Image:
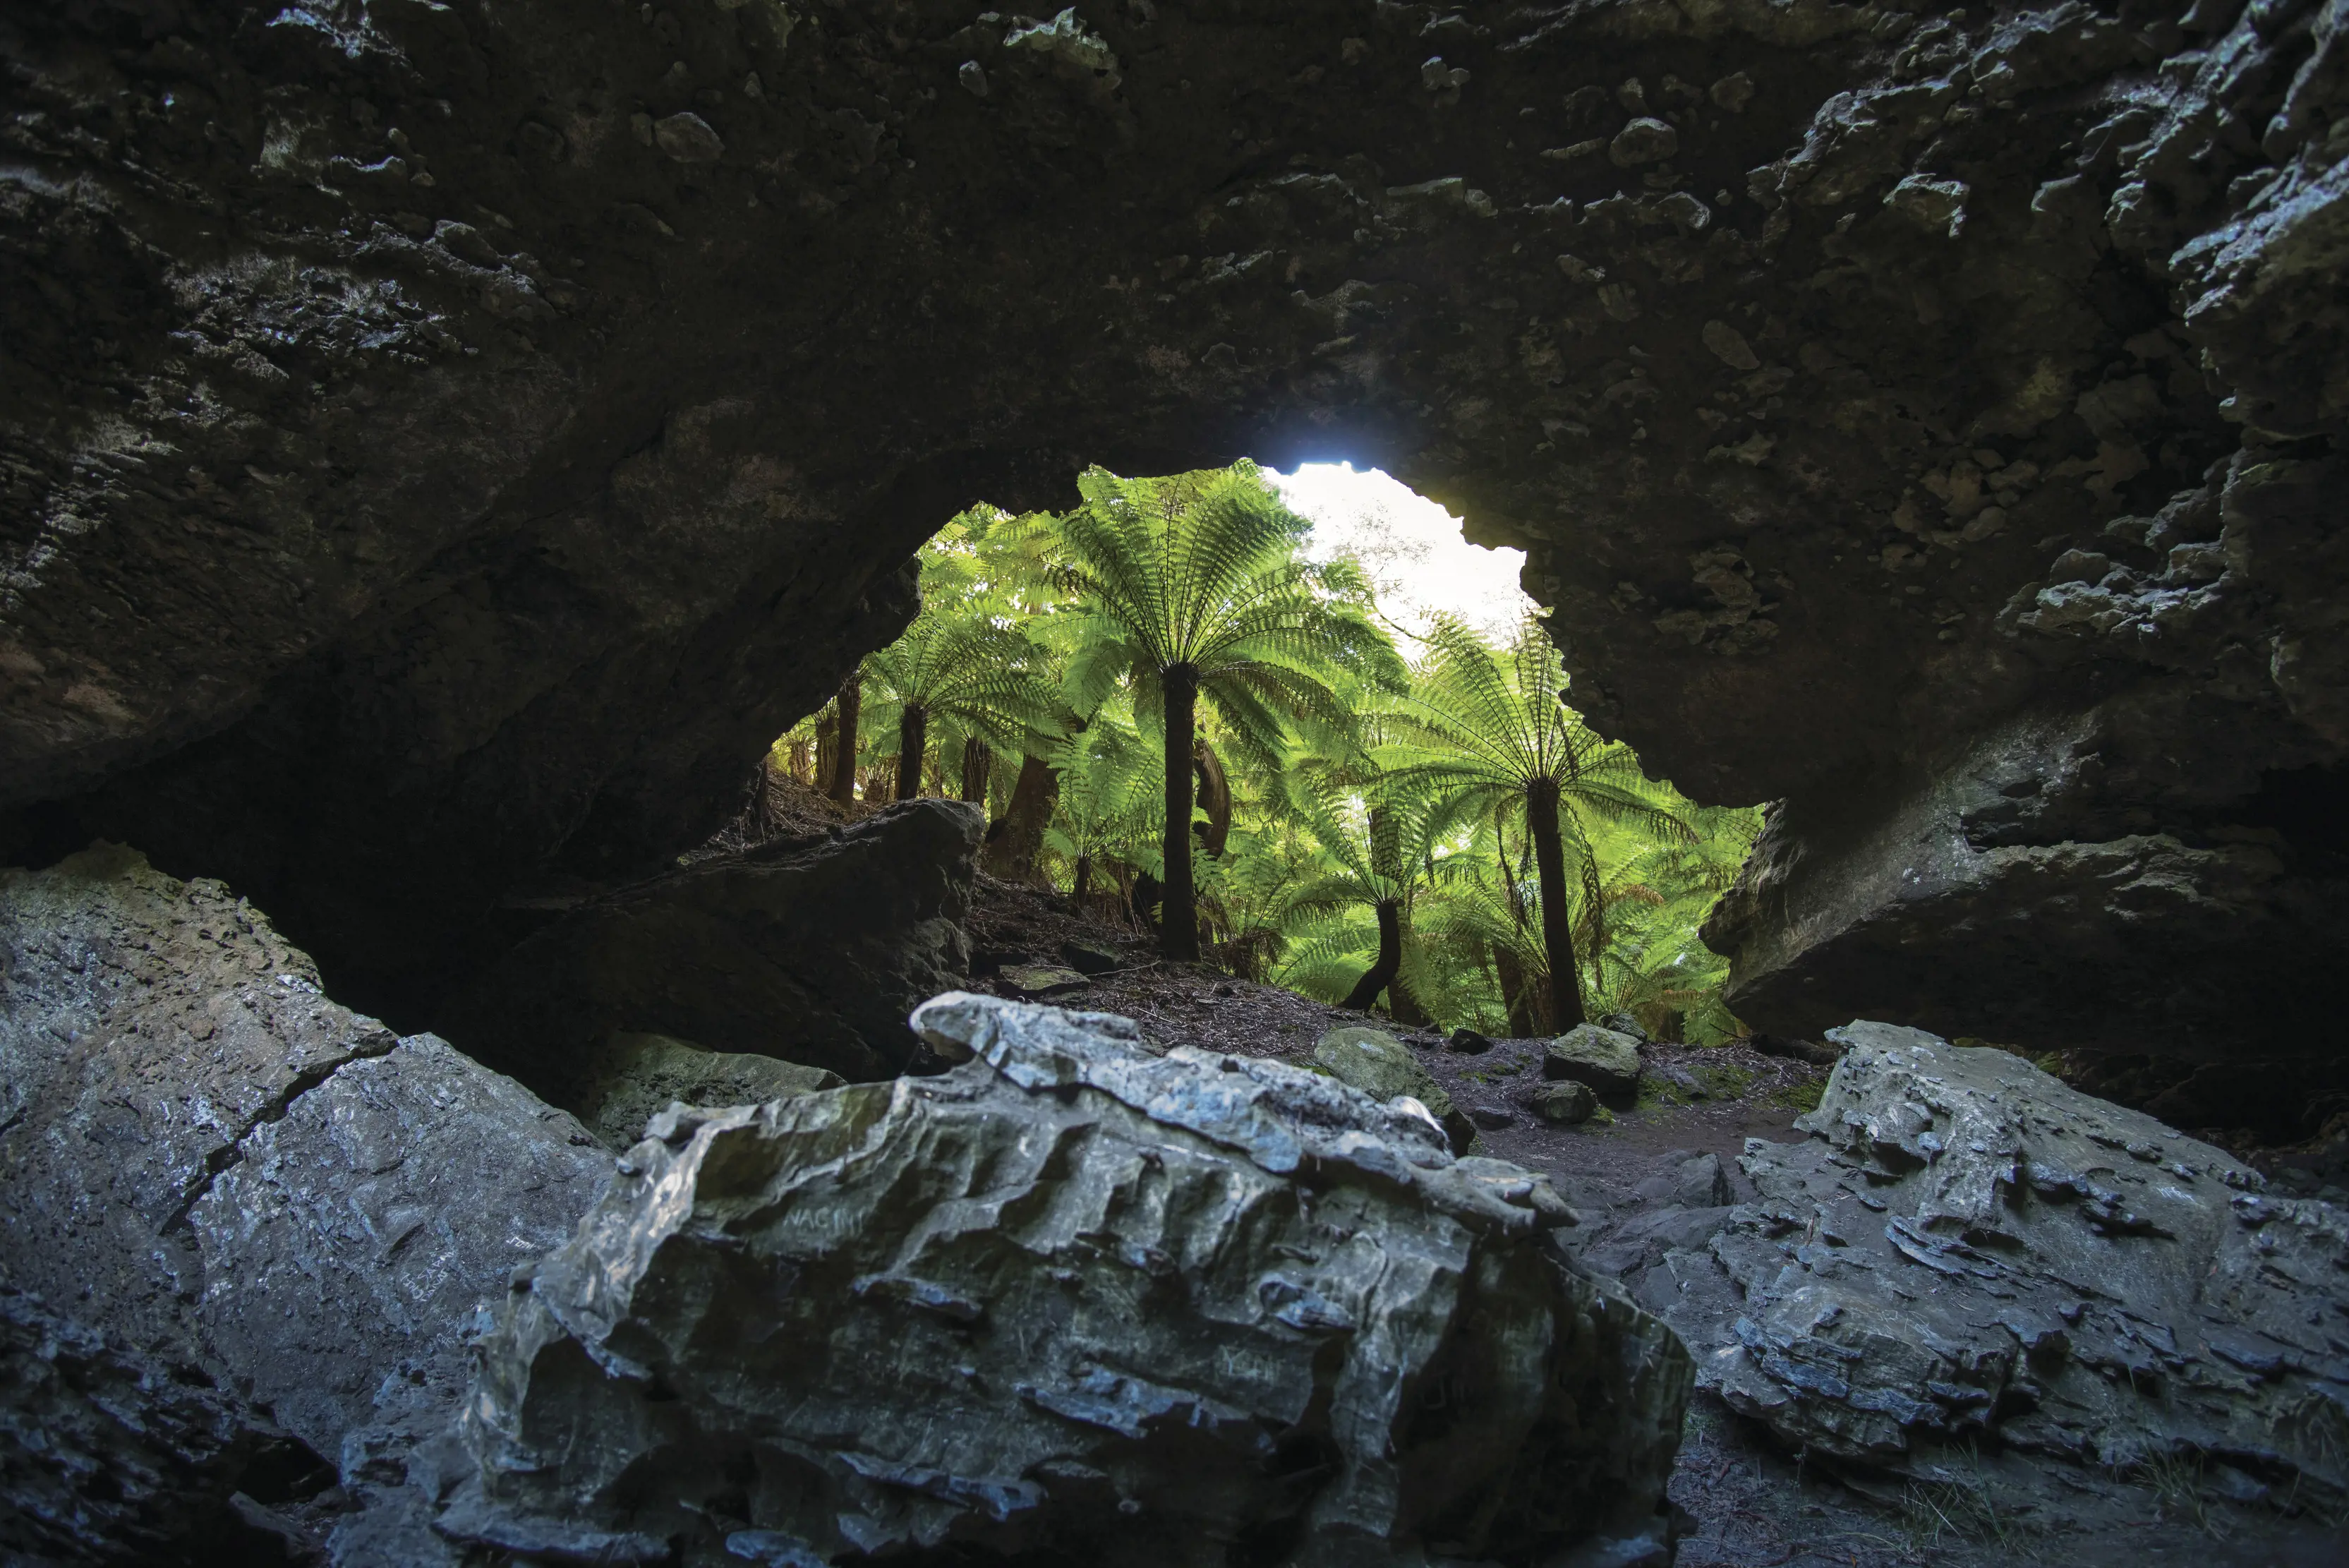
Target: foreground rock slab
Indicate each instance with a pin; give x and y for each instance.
(1965, 1248)
(1142, 1309)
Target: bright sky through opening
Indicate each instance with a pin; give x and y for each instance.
(1410, 547)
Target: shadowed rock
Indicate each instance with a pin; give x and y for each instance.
(809, 950)
(111, 1454)
(640, 1075)
(1068, 1295)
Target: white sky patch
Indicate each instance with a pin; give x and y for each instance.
(1409, 546)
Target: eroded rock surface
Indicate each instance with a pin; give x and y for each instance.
(422, 484)
(207, 1158)
(1070, 1294)
(112, 1455)
(809, 950)
(1966, 1249)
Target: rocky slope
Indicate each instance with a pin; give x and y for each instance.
(446, 440)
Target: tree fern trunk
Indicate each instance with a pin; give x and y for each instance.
(1084, 881)
(1012, 841)
(1515, 994)
(1557, 919)
(1381, 972)
(1178, 925)
(913, 740)
(976, 761)
(843, 772)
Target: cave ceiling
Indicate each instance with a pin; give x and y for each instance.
(444, 442)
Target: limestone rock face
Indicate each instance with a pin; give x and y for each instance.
(809, 949)
(205, 1156)
(1965, 1248)
(1586, 1053)
(424, 491)
(347, 1250)
(1067, 1295)
(107, 1454)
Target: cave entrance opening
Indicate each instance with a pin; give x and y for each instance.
(1388, 791)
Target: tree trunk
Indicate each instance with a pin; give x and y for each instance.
(913, 740)
(1404, 1006)
(827, 754)
(1515, 994)
(976, 761)
(1381, 972)
(1178, 924)
(1013, 839)
(1214, 798)
(843, 774)
(1557, 919)
(1144, 900)
(1084, 880)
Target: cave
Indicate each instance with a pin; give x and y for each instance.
(446, 443)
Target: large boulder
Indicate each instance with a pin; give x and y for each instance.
(811, 949)
(1605, 1060)
(1964, 1249)
(1382, 1067)
(205, 1156)
(1069, 1295)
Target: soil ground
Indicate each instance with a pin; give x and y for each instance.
(1754, 1504)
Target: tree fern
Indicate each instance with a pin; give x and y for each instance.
(1190, 591)
(1492, 734)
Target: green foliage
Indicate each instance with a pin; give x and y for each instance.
(1353, 796)
(1190, 592)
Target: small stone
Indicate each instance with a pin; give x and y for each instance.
(1088, 960)
(687, 137)
(1733, 93)
(1702, 1183)
(1492, 1118)
(1624, 1023)
(1633, 95)
(1467, 1041)
(1578, 150)
(1608, 1062)
(1930, 204)
(1032, 980)
(1729, 346)
(1644, 140)
(1565, 1104)
(1437, 76)
(973, 78)
(466, 243)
